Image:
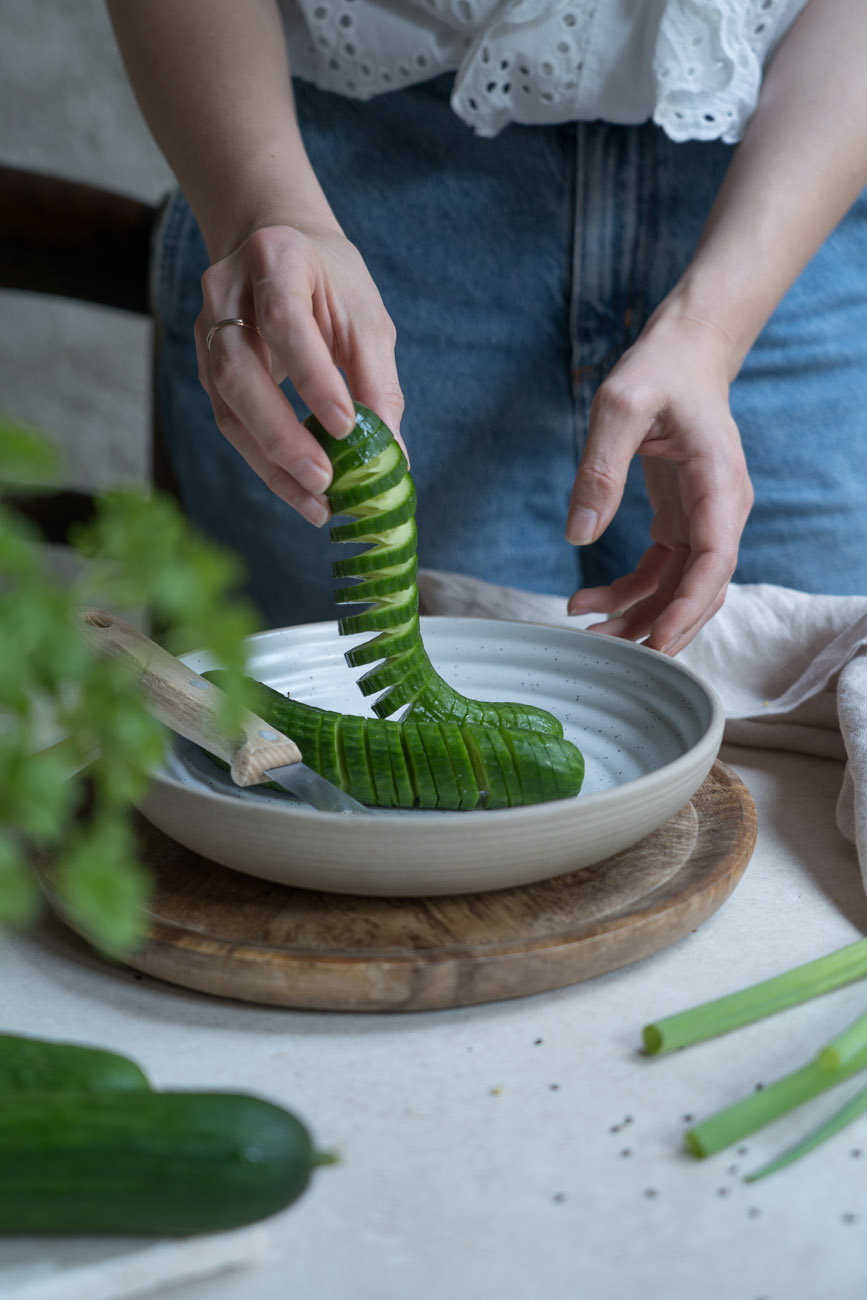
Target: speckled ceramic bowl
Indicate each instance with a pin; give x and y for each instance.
(648, 727)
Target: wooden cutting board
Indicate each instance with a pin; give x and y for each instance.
(232, 935)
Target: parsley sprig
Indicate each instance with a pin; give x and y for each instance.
(71, 801)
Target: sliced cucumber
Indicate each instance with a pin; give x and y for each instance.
(425, 764)
(352, 744)
(448, 751)
(396, 641)
(380, 493)
(402, 547)
(371, 478)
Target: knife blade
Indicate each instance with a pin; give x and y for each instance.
(190, 706)
(304, 783)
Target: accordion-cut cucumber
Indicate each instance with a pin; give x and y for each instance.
(371, 481)
(423, 764)
(148, 1162)
(40, 1065)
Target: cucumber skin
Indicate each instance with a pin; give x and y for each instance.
(40, 1065)
(427, 697)
(413, 781)
(147, 1162)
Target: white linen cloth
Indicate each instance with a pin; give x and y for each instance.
(790, 668)
(693, 66)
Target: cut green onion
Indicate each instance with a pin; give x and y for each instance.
(712, 1019)
(846, 1046)
(838, 1120)
(767, 1104)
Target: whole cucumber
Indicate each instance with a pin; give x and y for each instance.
(42, 1065)
(168, 1163)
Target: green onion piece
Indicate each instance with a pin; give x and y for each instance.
(846, 1046)
(758, 1001)
(765, 1105)
(853, 1108)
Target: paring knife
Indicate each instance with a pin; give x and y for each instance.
(189, 706)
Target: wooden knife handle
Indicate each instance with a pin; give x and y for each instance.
(187, 703)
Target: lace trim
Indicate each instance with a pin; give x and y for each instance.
(694, 66)
(509, 75)
(708, 64)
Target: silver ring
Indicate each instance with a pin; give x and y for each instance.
(230, 320)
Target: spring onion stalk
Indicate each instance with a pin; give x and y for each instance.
(846, 1046)
(853, 1108)
(712, 1019)
(767, 1104)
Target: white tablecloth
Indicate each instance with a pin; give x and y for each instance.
(527, 1148)
(524, 1148)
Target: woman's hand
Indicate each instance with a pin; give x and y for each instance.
(666, 401)
(214, 83)
(318, 313)
(801, 164)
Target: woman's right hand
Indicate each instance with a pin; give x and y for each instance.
(318, 313)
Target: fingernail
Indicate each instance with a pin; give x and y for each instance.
(581, 526)
(311, 475)
(314, 512)
(337, 419)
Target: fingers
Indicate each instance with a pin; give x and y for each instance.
(301, 482)
(316, 311)
(674, 590)
(372, 372)
(625, 593)
(319, 312)
(289, 328)
(668, 616)
(619, 421)
(716, 496)
(700, 491)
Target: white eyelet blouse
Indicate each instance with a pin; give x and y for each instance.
(693, 66)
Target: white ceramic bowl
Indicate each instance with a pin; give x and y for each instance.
(648, 727)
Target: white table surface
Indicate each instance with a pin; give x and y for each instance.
(522, 1148)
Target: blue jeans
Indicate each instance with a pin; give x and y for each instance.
(517, 270)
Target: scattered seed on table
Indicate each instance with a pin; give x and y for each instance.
(849, 1218)
(651, 1193)
(754, 1212)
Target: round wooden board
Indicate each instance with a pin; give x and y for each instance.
(232, 935)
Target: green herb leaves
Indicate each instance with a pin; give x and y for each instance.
(76, 741)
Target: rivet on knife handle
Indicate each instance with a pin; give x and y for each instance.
(189, 704)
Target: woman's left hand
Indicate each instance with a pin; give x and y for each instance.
(666, 401)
